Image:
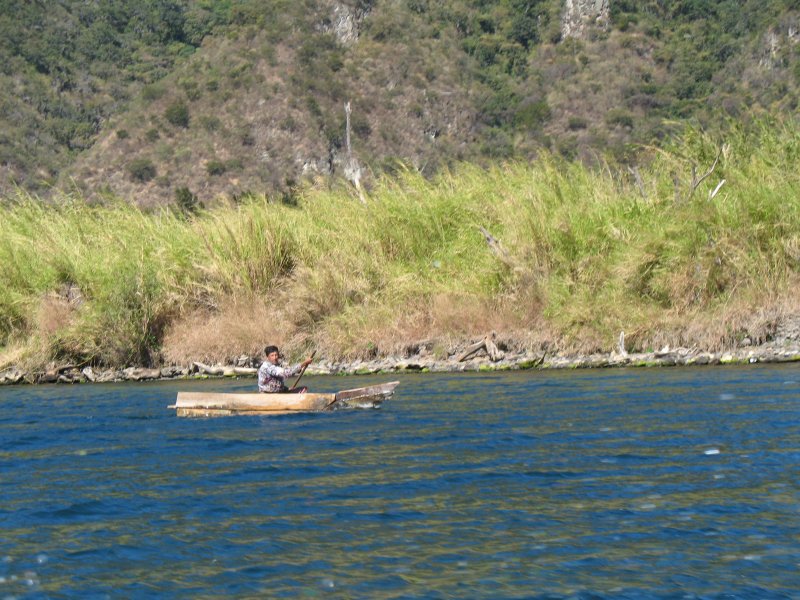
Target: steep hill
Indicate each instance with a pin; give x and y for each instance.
(187, 100)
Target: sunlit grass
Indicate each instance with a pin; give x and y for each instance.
(584, 253)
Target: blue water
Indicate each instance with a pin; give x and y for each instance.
(659, 483)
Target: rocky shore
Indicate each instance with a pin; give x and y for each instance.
(424, 361)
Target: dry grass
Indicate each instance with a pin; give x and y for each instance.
(238, 327)
(55, 313)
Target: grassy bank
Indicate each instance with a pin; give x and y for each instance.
(583, 254)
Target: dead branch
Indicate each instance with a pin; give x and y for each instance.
(487, 344)
(697, 181)
(620, 349)
(208, 369)
(495, 247)
(470, 350)
(716, 190)
(352, 169)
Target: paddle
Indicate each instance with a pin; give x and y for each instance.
(296, 381)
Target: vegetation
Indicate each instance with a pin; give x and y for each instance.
(666, 255)
(431, 84)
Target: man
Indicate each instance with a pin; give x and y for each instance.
(271, 374)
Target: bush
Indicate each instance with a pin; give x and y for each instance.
(177, 113)
(575, 123)
(192, 90)
(568, 147)
(210, 123)
(141, 170)
(153, 92)
(187, 202)
(216, 167)
(360, 126)
(619, 116)
(532, 115)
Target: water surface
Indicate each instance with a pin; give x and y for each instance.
(659, 483)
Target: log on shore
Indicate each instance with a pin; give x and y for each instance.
(487, 344)
(218, 371)
(134, 374)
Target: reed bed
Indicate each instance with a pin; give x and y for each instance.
(659, 251)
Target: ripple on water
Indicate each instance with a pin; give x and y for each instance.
(524, 485)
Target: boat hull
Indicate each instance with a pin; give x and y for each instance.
(203, 404)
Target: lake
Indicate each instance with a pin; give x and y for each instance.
(622, 483)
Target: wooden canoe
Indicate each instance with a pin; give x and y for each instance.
(204, 404)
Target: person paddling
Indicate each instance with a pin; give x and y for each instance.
(271, 374)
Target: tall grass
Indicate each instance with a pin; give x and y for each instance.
(584, 253)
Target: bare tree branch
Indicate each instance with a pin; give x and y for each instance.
(696, 182)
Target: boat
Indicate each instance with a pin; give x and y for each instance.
(209, 404)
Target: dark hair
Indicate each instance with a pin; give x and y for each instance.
(270, 349)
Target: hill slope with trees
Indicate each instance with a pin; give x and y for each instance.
(187, 100)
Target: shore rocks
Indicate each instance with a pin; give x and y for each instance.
(10, 376)
(424, 362)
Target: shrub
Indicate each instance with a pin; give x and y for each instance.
(619, 116)
(247, 138)
(153, 92)
(123, 134)
(568, 147)
(234, 164)
(187, 202)
(575, 123)
(289, 124)
(192, 90)
(216, 167)
(360, 125)
(533, 114)
(177, 113)
(210, 123)
(141, 169)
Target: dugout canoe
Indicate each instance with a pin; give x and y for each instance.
(205, 404)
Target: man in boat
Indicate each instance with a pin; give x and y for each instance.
(271, 374)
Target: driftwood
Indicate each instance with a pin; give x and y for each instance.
(134, 374)
(244, 370)
(48, 377)
(487, 344)
(227, 371)
(208, 369)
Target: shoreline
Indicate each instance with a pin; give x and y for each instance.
(424, 362)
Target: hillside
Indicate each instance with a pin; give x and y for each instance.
(185, 100)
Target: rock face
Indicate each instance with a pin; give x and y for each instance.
(777, 43)
(580, 15)
(345, 22)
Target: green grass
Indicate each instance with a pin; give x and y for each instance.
(587, 254)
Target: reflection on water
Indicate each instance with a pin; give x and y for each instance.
(676, 483)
